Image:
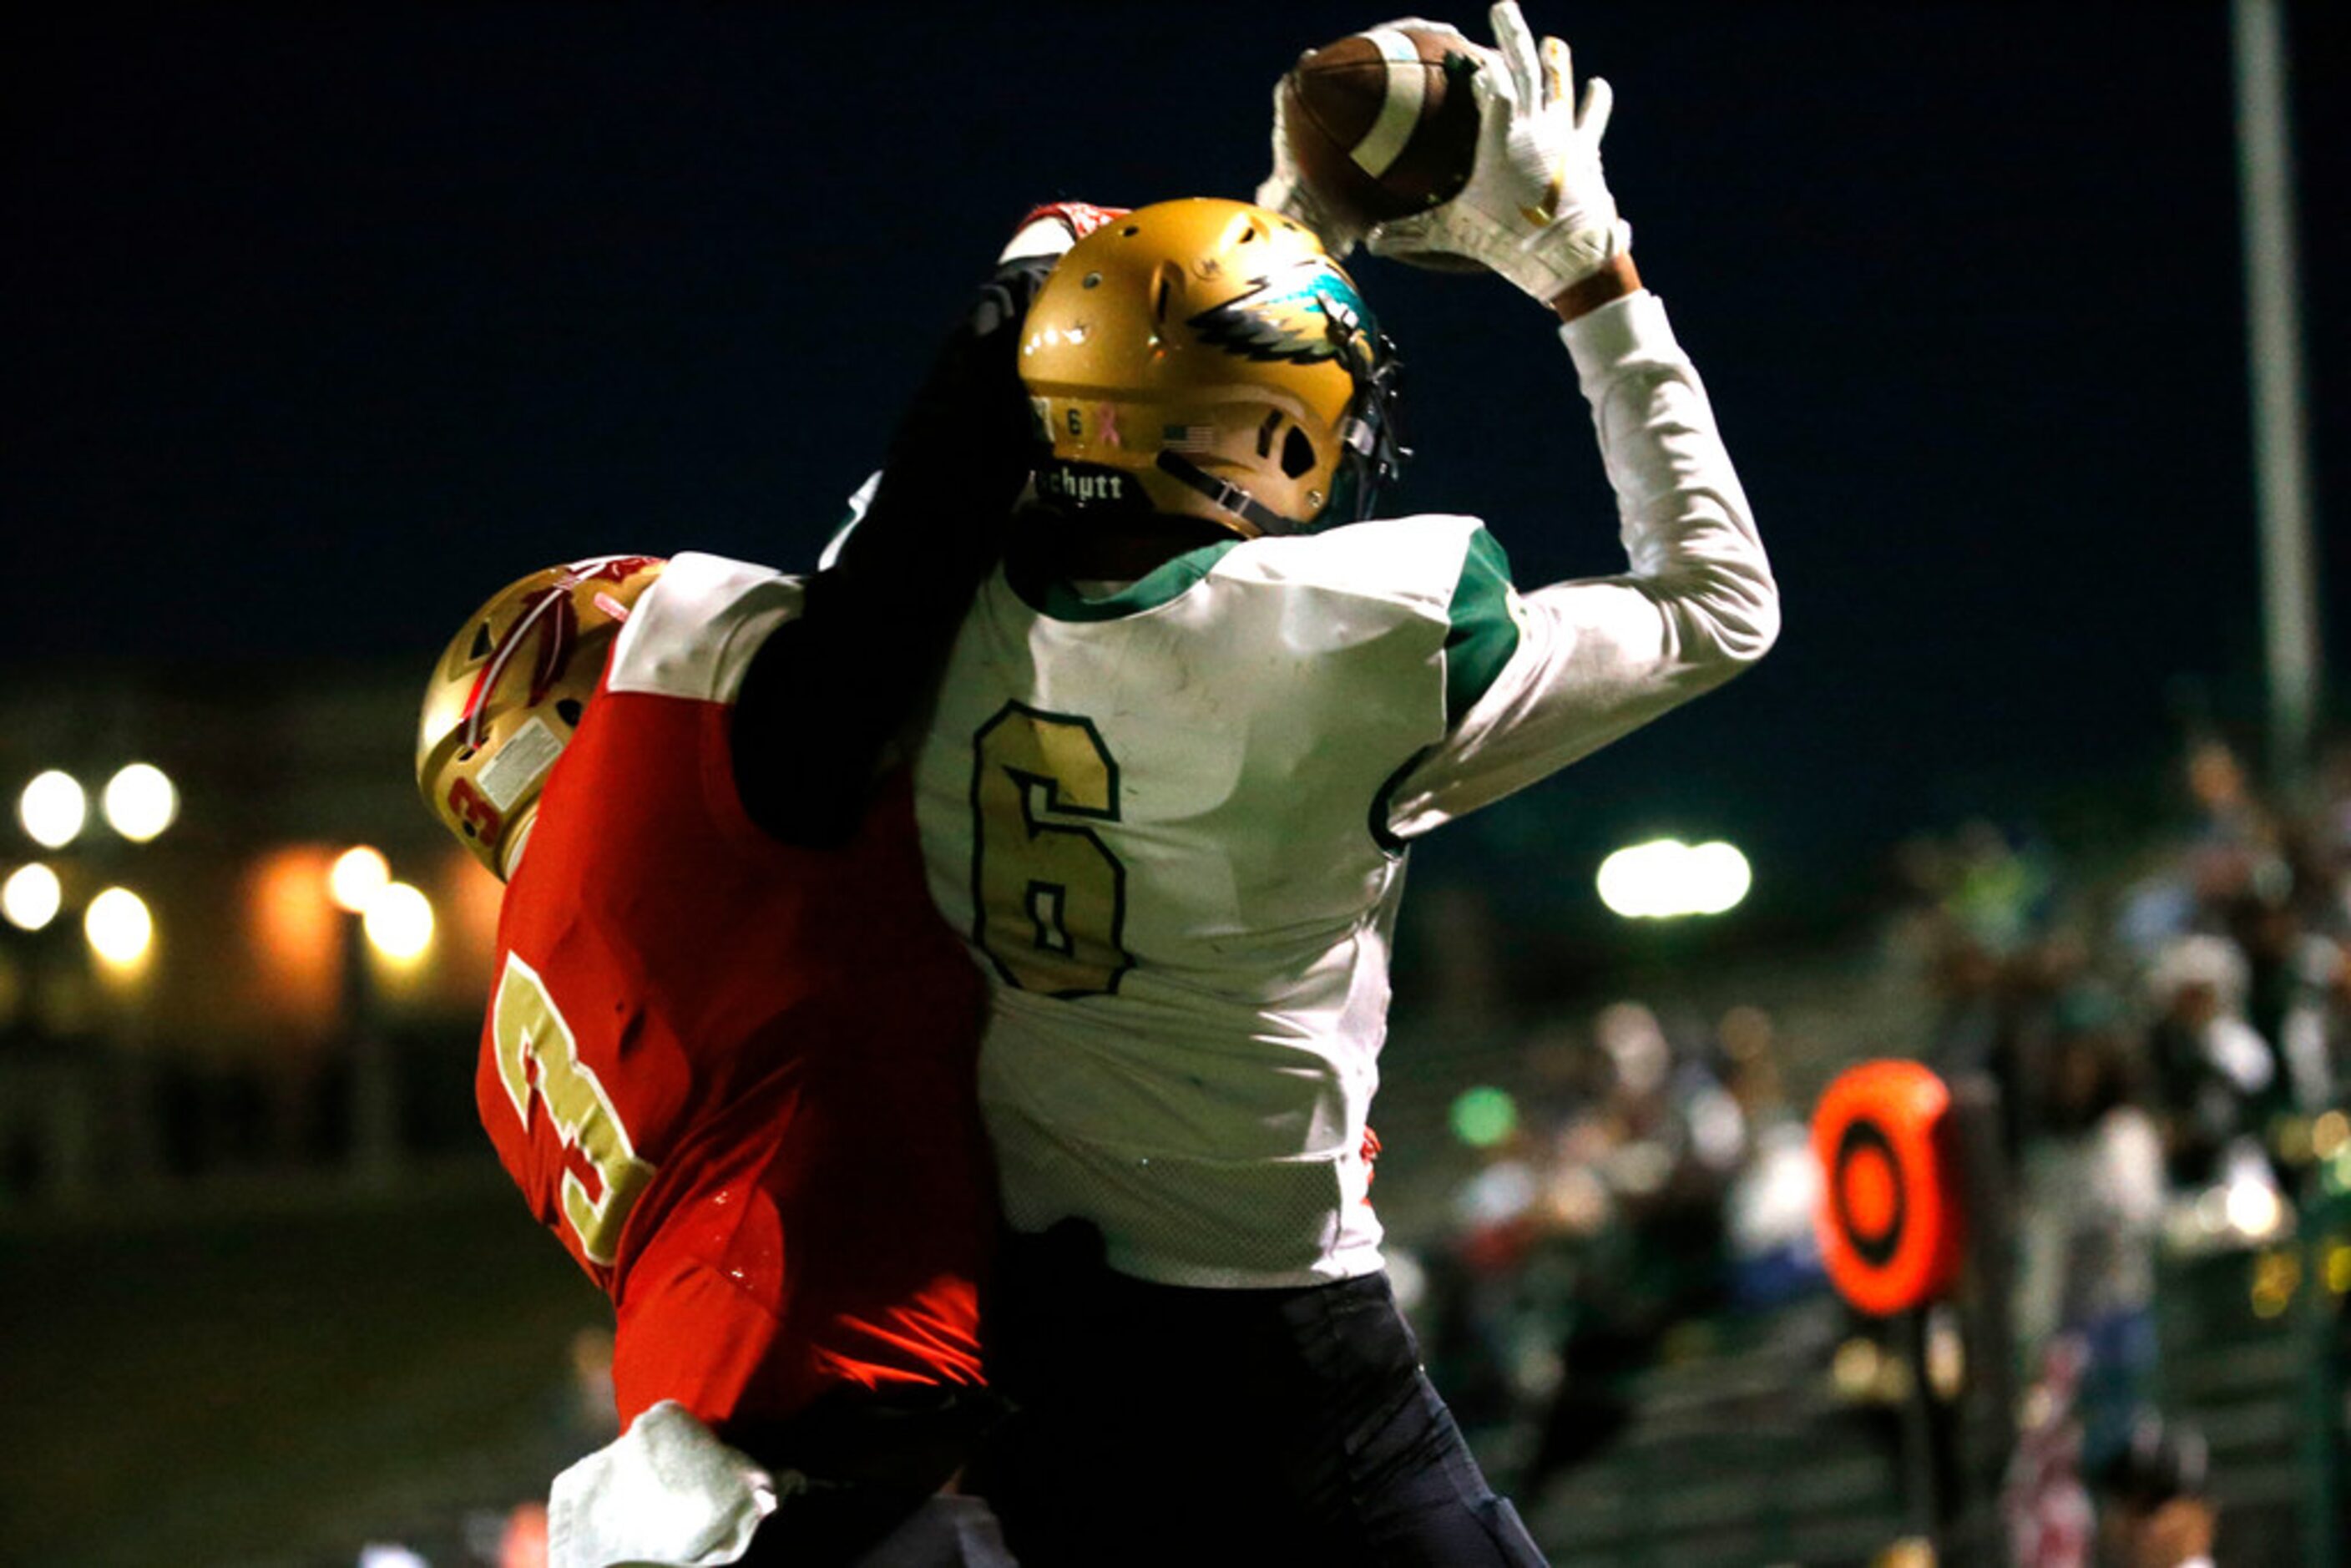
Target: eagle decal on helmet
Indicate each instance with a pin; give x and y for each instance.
(1302, 315)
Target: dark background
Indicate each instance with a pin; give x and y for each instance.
(319, 324)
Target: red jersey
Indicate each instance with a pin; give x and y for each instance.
(735, 1076)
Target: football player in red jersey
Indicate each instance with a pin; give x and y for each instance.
(728, 1054)
(696, 1030)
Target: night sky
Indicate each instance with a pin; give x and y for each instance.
(318, 324)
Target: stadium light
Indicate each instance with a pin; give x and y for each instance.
(2253, 1207)
(358, 876)
(120, 930)
(53, 809)
(1666, 878)
(140, 801)
(31, 896)
(1484, 1116)
(398, 923)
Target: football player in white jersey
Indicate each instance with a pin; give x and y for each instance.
(1185, 737)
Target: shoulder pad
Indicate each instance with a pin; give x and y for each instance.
(693, 632)
(1415, 560)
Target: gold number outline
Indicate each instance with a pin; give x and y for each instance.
(1026, 783)
(582, 1114)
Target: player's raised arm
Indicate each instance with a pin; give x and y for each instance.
(831, 688)
(1593, 659)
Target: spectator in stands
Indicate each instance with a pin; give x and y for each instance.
(1658, 1154)
(2291, 972)
(2213, 1072)
(1774, 1252)
(2153, 1508)
(2227, 853)
(2093, 1191)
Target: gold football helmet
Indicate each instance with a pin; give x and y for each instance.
(1206, 359)
(508, 692)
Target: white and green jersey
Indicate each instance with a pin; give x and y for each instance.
(1172, 820)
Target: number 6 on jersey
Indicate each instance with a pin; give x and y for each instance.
(1051, 896)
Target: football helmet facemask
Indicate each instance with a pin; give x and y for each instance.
(1208, 359)
(508, 693)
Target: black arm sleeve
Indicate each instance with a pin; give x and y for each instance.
(829, 689)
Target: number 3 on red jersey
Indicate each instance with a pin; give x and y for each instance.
(540, 1065)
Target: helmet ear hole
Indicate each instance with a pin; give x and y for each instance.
(568, 710)
(481, 644)
(1297, 453)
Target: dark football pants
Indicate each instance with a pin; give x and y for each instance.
(868, 1469)
(1156, 1424)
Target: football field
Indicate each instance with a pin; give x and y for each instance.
(282, 1380)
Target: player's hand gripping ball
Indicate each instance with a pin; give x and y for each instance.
(1380, 124)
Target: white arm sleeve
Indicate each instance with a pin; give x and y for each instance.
(1598, 658)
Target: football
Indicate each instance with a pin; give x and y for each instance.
(1382, 123)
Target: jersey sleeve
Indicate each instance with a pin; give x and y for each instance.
(1594, 659)
(700, 634)
(696, 632)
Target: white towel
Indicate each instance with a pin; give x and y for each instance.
(665, 1494)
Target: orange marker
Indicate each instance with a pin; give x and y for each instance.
(1891, 1223)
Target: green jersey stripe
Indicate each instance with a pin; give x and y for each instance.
(1482, 634)
(1167, 582)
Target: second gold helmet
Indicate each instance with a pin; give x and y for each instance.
(509, 691)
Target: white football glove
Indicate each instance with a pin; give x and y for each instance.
(1536, 209)
(666, 1493)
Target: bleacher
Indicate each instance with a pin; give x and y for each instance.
(2252, 1356)
(1738, 1454)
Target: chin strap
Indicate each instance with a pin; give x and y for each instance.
(1226, 495)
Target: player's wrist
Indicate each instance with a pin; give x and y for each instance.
(1617, 278)
(1283, 192)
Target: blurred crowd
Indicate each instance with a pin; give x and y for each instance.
(1653, 1174)
(2170, 1030)
(2172, 1043)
